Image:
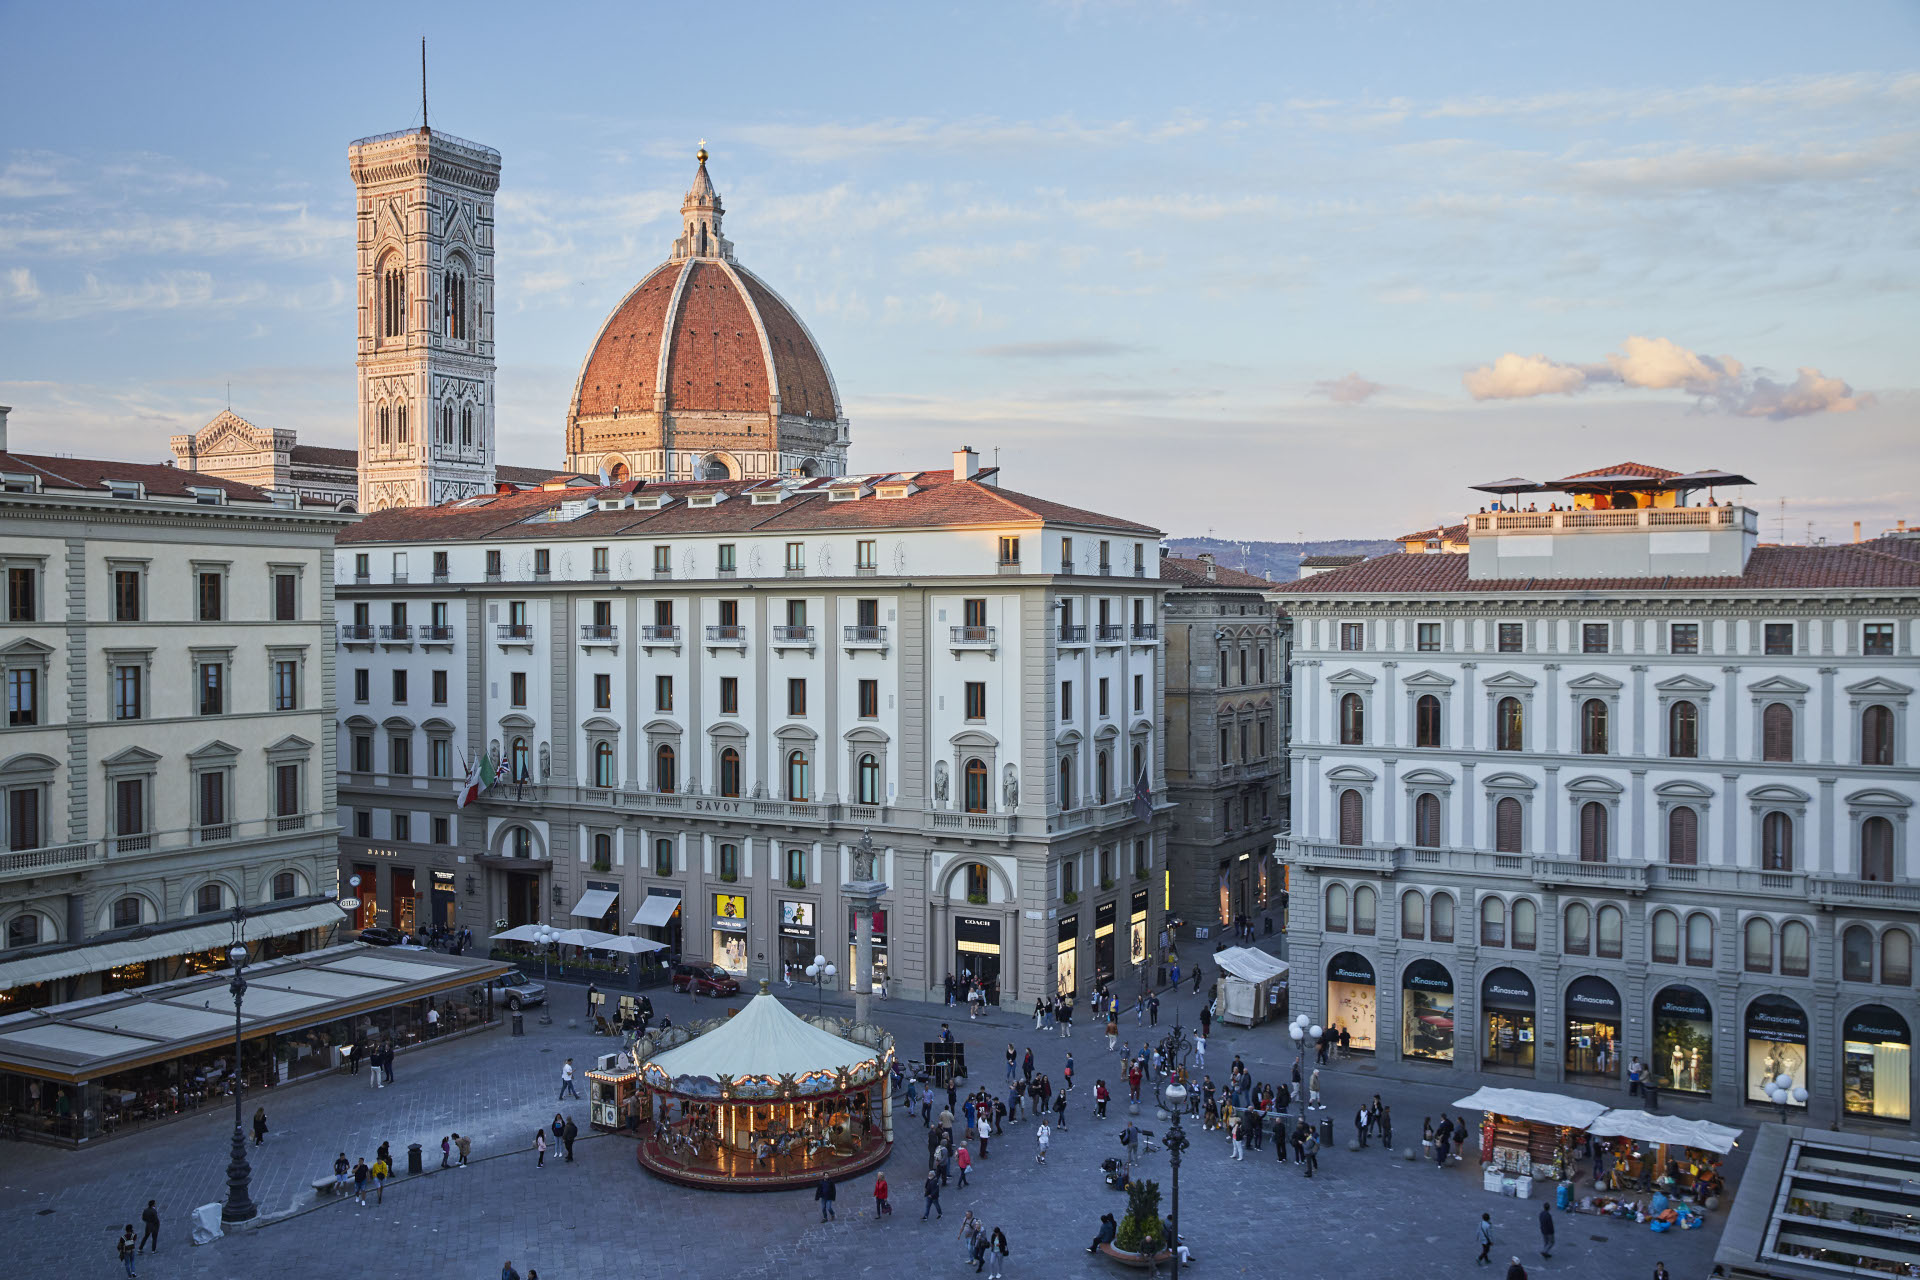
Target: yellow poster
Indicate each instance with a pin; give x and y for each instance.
(729, 906)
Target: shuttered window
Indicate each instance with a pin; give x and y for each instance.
(1593, 832)
(1426, 821)
(1776, 732)
(1776, 842)
(1593, 727)
(1683, 730)
(1876, 849)
(1442, 908)
(1352, 828)
(1683, 836)
(1876, 735)
(1507, 825)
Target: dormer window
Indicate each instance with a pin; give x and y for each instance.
(132, 490)
(208, 496)
(19, 482)
(765, 497)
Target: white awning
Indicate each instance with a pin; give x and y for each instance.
(1672, 1130)
(174, 942)
(656, 910)
(1541, 1108)
(519, 933)
(594, 903)
(630, 946)
(1249, 964)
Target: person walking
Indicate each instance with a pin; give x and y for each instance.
(1100, 1099)
(1660, 1271)
(567, 1135)
(463, 1146)
(150, 1220)
(826, 1193)
(882, 1206)
(1113, 1032)
(1546, 1229)
(931, 1190)
(381, 1169)
(1360, 1119)
(1514, 1270)
(1373, 1115)
(1313, 1092)
(342, 1172)
(1026, 1066)
(1044, 1136)
(963, 1161)
(126, 1249)
(1312, 1147)
(1060, 1111)
(996, 1253)
(1238, 1132)
(1483, 1233)
(446, 1151)
(566, 1080)
(1200, 1051)
(1153, 1010)
(360, 1175)
(540, 1148)
(1013, 1062)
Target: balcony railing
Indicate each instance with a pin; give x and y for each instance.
(1146, 631)
(1630, 876)
(1106, 570)
(57, 857)
(727, 633)
(356, 633)
(1111, 632)
(1074, 634)
(660, 633)
(865, 570)
(974, 637)
(436, 635)
(598, 633)
(1641, 518)
(396, 633)
(866, 635)
(516, 631)
(1886, 895)
(793, 635)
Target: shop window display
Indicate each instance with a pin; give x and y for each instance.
(1683, 1041)
(1508, 1033)
(1776, 1030)
(1877, 1064)
(1426, 1003)
(1352, 1002)
(1593, 1028)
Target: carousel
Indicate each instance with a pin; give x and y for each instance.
(764, 1099)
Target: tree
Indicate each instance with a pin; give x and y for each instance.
(1143, 1218)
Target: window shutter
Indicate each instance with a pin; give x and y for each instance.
(1683, 836)
(1506, 825)
(1776, 732)
(1593, 832)
(1350, 818)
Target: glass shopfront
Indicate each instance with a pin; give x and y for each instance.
(730, 932)
(1878, 1064)
(1426, 1012)
(1103, 918)
(797, 938)
(1506, 1019)
(1137, 930)
(976, 943)
(444, 900)
(1351, 1000)
(1683, 1040)
(879, 946)
(405, 903)
(1066, 951)
(1593, 1028)
(1776, 1045)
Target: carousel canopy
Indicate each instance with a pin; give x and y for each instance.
(1672, 1130)
(765, 1040)
(1541, 1108)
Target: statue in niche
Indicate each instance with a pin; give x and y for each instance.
(1010, 789)
(940, 783)
(864, 857)
(546, 763)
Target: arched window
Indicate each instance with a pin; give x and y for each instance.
(1896, 957)
(1509, 825)
(1101, 768)
(1366, 905)
(602, 849)
(1876, 849)
(1796, 948)
(446, 423)
(1666, 938)
(522, 842)
(1441, 909)
(466, 426)
(1426, 719)
(1066, 782)
(797, 788)
(1759, 946)
(1526, 924)
(1683, 835)
(663, 857)
(1413, 915)
(603, 765)
(1336, 908)
(1593, 727)
(286, 885)
(1856, 954)
(1493, 922)
(869, 780)
(1353, 720)
(730, 773)
(1426, 820)
(1352, 817)
(1776, 732)
(386, 425)
(665, 776)
(393, 299)
(1776, 842)
(456, 318)
(400, 424)
(23, 930)
(1509, 725)
(1700, 940)
(1609, 932)
(975, 790)
(1876, 735)
(1593, 832)
(1576, 939)
(1683, 730)
(517, 763)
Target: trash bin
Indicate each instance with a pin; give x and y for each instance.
(519, 1023)
(413, 1159)
(1326, 1132)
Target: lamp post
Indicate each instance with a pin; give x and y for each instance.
(546, 936)
(239, 1206)
(1176, 1140)
(818, 971)
(1782, 1093)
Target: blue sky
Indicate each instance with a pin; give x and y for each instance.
(1273, 270)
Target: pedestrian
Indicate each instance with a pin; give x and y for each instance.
(882, 1207)
(1346, 1043)
(342, 1172)
(1386, 1127)
(507, 1272)
(1515, 1271)
(1013, 1062)
(1484, 1234)
(1026, 1065)
(567, 1135)
(381, 1168)
(1634, 1070)
(996, 1251)
(1113, 1032)
(1066, 1072)
(1043, 1135)
(125, 1247)
(1313, 1092)
(1060, 1111)
(566, 1080)
(1100, 1099)
(360, 1175)
(1153, 1010)
(353, 1053)
(931, 1189)
(462, 1145)
(1660, 1271)
(150, 1218)
(433, 1022)
(1312, 1147)
(1360, 1118)
(1200, 1050)
(540, 1148)
(825, 1192)
(1373, 1115)
(1237, 1131)
(963, 1161)
(1546, 1229)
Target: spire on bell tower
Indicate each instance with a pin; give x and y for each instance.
(700, 215)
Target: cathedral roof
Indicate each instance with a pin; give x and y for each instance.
(702, 334)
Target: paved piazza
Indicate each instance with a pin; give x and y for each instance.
(1365, 1214)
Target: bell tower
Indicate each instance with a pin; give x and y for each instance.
(426, 309)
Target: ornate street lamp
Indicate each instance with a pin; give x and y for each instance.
(546, 936)
(1782, 1093)
(239, 1206)
(1176, 1140)
(818, 971)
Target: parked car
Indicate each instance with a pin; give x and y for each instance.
(382, 936)
(704, 980)
(517, 989)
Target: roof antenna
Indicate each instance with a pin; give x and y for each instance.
(423, 85)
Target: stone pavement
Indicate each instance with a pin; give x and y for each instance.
(1366, 1214)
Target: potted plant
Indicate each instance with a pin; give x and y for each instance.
(977, 899)
(796, 882)
(1106, 882)
(602, 865)
(1139, 873)
(1142, 1223)
(729, 876)
(1069, 897)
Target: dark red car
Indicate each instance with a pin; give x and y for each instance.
(704, 980)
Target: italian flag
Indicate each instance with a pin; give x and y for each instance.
(477, 781)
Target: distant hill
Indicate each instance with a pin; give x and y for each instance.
(1279, 561)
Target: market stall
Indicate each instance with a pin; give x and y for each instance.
(764, 1099)
(1253, 986)
(1662, 1154)
(1526, 1136)
(615, 1102)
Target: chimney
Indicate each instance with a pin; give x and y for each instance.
(1206, 558)
(966, 463)
(5, 409)
(1856, 531)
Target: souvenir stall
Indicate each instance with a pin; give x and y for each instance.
(1253, 986)
(614, 1098)
(765, 1099)
(1667, 1157)
(1528, 1137)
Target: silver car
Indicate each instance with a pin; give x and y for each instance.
(517, 989)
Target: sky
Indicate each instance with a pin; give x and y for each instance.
(1271, 271)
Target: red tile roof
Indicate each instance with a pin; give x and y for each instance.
(939, 501)
(535, 475)
(322, 456)
(1185, 572)
(1624, 469)
(92, 474)
(1845, 566)
(1445, 533)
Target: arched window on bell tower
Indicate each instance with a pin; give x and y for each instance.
(466, 426)
(393, 299)
(400, 424)
(456, 304)
(386, 425)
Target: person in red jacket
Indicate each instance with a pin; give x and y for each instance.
(1100, 1098)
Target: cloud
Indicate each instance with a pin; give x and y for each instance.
(1352, 389)
(1660, 364)
(1064, 349)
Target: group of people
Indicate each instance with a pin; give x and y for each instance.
(1334, 1036)
(976, 992)
(359, 1174)
(377, 1054)
(563, 1129)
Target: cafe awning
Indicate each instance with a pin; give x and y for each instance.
(1530, 1104)
(101, 956)
(656, 910)
(1671, 1130)
(594, 903)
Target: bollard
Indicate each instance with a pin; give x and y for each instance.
(413, 1159)
(519, 1023)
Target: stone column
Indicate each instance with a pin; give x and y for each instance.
(864, 897)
